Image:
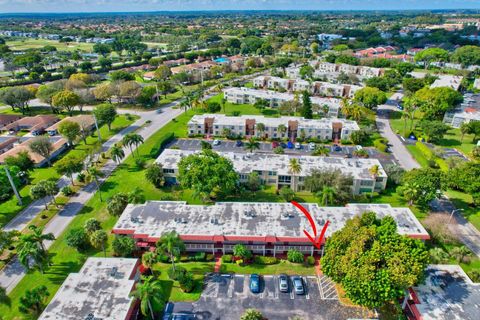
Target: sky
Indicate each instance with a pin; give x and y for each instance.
(7, 6)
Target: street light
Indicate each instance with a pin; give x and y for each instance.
(451, 214)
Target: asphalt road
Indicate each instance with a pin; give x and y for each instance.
(228, 296)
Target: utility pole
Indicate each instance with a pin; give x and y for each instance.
(14, 187)
(98, 130)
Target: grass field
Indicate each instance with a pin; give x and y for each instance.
(155, 45)
(230, 108)
(10, 208)
(24, 44)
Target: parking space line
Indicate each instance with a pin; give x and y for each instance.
(292, 295)
(275, 284)
(320, 288)
(307, 291)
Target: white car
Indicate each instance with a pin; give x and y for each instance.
(298, 145)
(216, 142)
(311, 146)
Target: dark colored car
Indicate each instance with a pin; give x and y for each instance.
(283, 283)
(275, 144)
(283, 145)
(255, 283)
(298, 285)
(337, 148)
(239, 143)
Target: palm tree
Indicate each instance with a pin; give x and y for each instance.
(326, 195)
(132, 140)
(282, 129)
(464, 129)
(375, 172)
(346, 108)
(357, 112)
(38, 236)
(171, 245)
(459, 253)
(223, 102)
(99, 239)
(260, 128)
(29, 253)
(410, 193)
(295, 168)
(94, 175)
(409, 107)
(117, 153)
(151, 296)
(149, 259)
(252, 145)
(321, 151)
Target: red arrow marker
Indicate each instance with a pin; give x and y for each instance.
(316, 241)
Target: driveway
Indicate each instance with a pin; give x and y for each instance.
(228, 296)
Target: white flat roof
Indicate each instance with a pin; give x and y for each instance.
(254, 219)
(448, 294)
(246, 163)
(101, 288)
(445, 80)
(221, 119)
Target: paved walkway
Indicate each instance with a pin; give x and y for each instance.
(11, 275)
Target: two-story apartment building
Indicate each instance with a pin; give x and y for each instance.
(265, 228)
(274, 169)
(282, 127)
(275, 99)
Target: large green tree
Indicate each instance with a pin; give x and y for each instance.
(66, 100)
(151, 295)
(69, 166)
(435, 102)
(307, 111)
(70, 130)
(429, 182)
(370, 97)
(33, 301)
(105, 114)
(372, 262)
(430, 55)
(171, 245)
(207, 174)
(467, 55)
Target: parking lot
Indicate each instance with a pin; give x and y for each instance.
(228, 296)
(266, 147)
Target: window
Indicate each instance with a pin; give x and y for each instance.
(366, 183)
(168, 171)
(272, 173)
(284, 179)
(243, 177)
(216, 127)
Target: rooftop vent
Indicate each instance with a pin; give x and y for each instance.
(250, 214)
(90, 316)
(113, 272)
(287, 215)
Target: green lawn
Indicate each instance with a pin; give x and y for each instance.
(464, 201)
(24, 44)
(418, 155)
(283, 266)
(230, 108)
(10, 208)
(172, 289)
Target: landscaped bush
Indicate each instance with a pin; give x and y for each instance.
(310, 261)
(187, 283)
(164, 258)
(199, 256)
(227, 258)
(175, 275)
(380, 145)
(160, 144)
(345, 142)
(81, 177)
(67, 191)
(265, 260)
(210, 257)
(294, 256)
(474, 275)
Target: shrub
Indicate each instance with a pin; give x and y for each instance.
(81, 177)
(239, 262)
(380, 145)
(67, 191)
(265, 260)
(210, 257)
(187, 283)
(474, 275)
(287, 194)
(227, 258)
(294, 256)
(199, 256)
(345, 142)
(310, 261)
(278, 150)
(164, 258)
(236, 113)
(140, 163)
(240, 250)
(77, 238)
(175, 275)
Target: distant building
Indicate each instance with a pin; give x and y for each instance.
(446, 80)
(100, 290)
(331, 71)
(35, 125)
(315, 88)
(59, 145)
(273, 169)
(467, 111)
(265, 228)
(324, 129)
(85, 121)
(447, 293)
(275, 99)
(372, 52)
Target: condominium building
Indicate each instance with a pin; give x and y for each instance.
(275, 99)
(467, 111)
(283, 127)
(298, 85)
(332, 70)
(265, 228)
(446, 80)
(274, 169)
(100, 290)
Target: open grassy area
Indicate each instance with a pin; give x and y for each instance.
(283, 266)
(464, 201)
(231, 108)
(172, 289)
(11, 208)
(24, 44)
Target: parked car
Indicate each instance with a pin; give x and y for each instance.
(290, 145)
(337, 148)
(358, 147)
(298, 145)
(275, 144)
(216, 142)
(239, 143)
(255, 283)
(311, 146)
(283, 283)
(283, 145)
(298, 285)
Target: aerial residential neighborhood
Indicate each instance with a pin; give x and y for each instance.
(239, 160)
